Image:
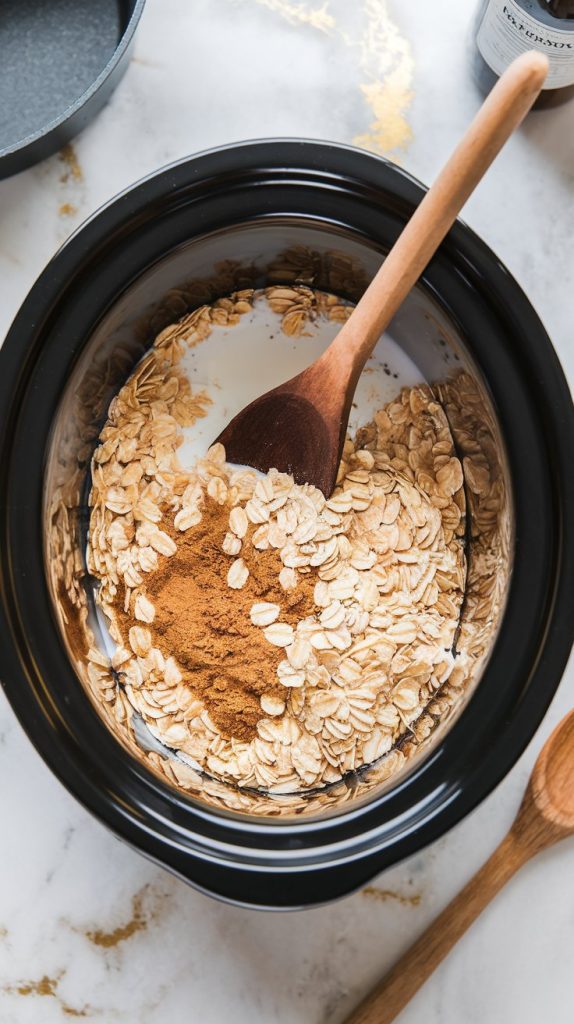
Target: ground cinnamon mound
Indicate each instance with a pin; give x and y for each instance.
(226, 659)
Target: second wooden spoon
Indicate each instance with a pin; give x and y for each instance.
(300, 426)
(545, 816)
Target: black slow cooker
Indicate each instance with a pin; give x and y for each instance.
(323, 214)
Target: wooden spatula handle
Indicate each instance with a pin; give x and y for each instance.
(500, 114)
(387, 1000)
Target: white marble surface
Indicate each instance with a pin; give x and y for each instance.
(206, 73)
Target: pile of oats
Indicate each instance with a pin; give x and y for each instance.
(385, 552)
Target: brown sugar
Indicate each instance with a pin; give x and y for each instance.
(201, 621)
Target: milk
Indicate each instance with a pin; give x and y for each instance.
(237, 364)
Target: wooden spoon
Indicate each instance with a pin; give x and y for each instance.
(300, 426)
(545, 816)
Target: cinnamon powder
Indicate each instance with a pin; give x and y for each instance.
(74, 623)
(202, 622)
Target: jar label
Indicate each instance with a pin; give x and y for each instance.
(507, 31)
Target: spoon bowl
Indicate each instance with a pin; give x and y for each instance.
(256, 437)
(552, 782)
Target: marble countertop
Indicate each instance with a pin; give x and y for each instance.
(88, 928)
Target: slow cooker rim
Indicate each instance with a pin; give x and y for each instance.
(527, 310)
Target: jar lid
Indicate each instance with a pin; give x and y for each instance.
(60, 63)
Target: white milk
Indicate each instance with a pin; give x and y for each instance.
(237, 364)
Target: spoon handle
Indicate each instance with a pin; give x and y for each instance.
(392, 994)
(501, 112)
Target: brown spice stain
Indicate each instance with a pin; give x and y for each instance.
(44, 987)
(137, 923)
(206, 625)
(383, 895)
(67, 210)
(47, 986)
(73, 170)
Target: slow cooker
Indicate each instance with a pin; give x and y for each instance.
(242, 216)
